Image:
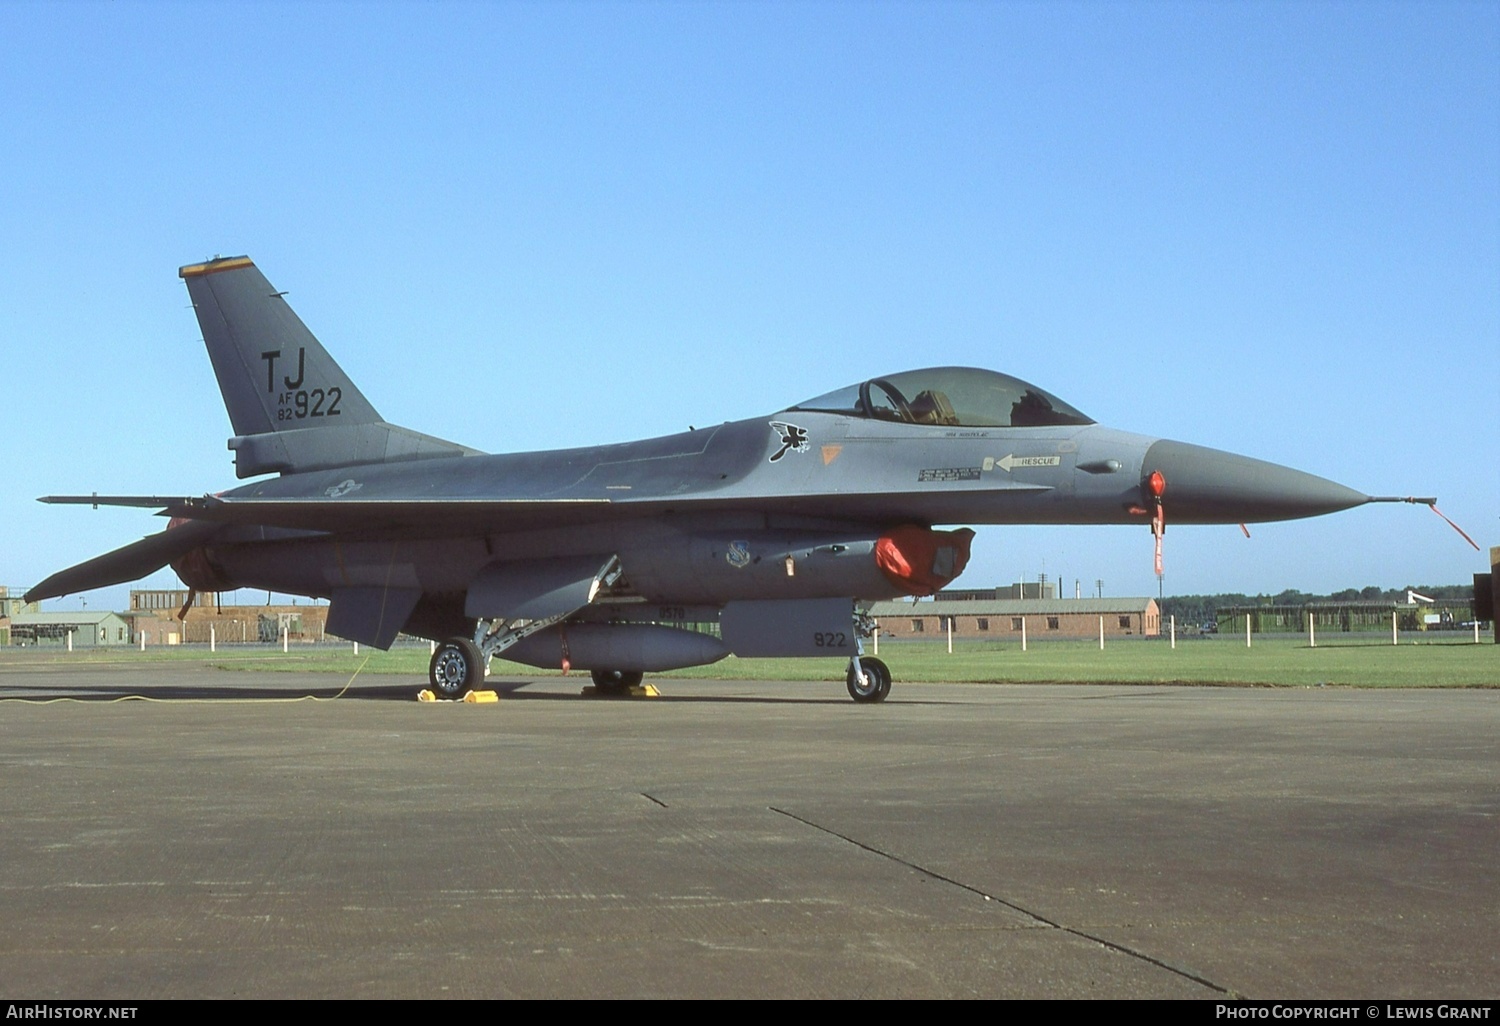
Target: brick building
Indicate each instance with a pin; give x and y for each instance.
(154, 613)
(1001, 619)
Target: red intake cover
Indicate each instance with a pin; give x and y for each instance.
(920, 559)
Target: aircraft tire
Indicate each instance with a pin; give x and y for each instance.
(878, 676)
(615, 682)
(457, 667)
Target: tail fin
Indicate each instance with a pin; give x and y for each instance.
(292, 406)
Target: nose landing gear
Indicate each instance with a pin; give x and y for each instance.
(869, 680)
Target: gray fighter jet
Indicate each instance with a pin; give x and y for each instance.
(762, 537)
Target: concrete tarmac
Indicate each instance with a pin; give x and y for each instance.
(742, 839)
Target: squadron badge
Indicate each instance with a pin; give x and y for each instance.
(793, 439)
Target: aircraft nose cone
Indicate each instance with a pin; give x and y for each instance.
(1208, 486)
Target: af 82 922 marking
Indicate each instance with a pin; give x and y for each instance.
(296, 402)
(302, 404)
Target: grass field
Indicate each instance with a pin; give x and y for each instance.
(1272, 662)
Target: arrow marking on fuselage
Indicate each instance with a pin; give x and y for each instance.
(1010, 461)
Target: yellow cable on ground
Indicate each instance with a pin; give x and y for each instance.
(181, 701)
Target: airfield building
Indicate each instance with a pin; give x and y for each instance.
(88, 629)
(154, 614)
(1005, 619)
(1023, 590)
(1343, 617)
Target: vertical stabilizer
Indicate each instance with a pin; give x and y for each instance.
(292, 406)
(273, 372)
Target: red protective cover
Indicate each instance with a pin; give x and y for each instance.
(921, 560)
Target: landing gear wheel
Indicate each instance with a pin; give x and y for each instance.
(615, 682)
(457, 668)
(877, 682)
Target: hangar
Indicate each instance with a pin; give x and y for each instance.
(1343, 617)
(11, 603)
(88, 630)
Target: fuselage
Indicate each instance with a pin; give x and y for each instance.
(820, 487)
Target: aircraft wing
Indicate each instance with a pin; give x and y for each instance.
(439, 516)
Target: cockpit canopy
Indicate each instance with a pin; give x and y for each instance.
(949, 397)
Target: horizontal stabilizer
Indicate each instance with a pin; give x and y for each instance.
(128, 563)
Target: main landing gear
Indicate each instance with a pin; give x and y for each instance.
(456, 668)
(868, 679)
(459, 665)
(616, 682)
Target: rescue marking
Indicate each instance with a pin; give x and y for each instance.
(1010, 461)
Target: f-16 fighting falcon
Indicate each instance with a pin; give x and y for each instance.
(778, 531)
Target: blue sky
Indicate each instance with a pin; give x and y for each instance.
(1269, 228)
